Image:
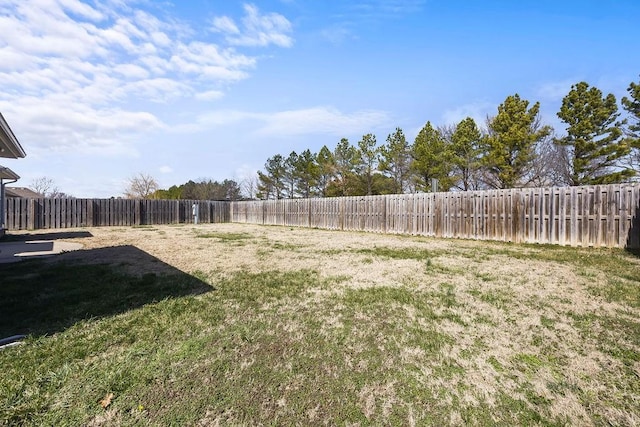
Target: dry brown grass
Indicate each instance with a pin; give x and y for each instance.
(520, 323)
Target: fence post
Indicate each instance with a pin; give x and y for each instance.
(136, 212)
(384, 213)
(634, 227)
(31, 216)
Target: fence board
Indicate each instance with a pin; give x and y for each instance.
(603, 215)
(29, 214)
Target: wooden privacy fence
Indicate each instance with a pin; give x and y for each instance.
(30, 214)
(602, 215)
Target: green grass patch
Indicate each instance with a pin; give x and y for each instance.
(297, 347)
(225, 237)
(400, 253)
(286, 246)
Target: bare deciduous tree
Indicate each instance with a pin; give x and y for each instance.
(249, 186)
(551, 166)
(46, 187)
(141, 186)
(42, 185)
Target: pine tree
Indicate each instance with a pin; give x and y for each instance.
(326, 169)
(632, 106)
(395, 160)
(510, 145)
(271, 182)
(290, 175)
(306, 173)
(466, 142)
(431, 159)
(368, 152)
(594, 136)
(345, 157)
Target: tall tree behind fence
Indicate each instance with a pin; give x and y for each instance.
(604, 215)
(30, 214)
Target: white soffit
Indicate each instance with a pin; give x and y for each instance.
(9, 145)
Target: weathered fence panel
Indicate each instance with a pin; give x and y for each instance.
(601, 215)
(31, 214)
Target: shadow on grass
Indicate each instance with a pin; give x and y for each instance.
(45, 236)
(47, 296)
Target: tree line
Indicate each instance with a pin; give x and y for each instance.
(203, 189)
(513, 149)
(144, 186)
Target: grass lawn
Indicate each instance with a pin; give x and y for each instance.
(231, 324)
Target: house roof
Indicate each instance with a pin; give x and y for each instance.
(21, 192)
(6, 173)
(9, 145)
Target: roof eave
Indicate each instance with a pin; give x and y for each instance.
(6, 173)
(9, 145)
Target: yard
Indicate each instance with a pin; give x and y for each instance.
(230, 324)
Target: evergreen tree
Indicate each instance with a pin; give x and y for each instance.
(466, 142)
(306, 173)
(345, 157)
(395, 160)
(231, 189)
(510, 145)
(290, 177)
(271, 182)
(431, 159)
(632, 106)
(173, 193)
(368, 154)
(594, 136)
(326, 169)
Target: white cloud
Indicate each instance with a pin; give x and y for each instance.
(478, 111)
(385, 8)
(213, 119)
(210, 62)
(555, 91)
(131, 71)
(315, 120)
(71, 71)
(337, 34)
(82, 9)
(14, 60)
(257, 29)
(245, 172)
(78, 128)
(209, 95)
(157, 90)
(165, 169)
(224, 24)
(323, 120)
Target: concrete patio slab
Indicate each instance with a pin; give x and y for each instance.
(17, 251)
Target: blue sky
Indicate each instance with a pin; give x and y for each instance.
(99, 91)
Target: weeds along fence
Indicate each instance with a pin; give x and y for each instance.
(31, 214)
(604, 215)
